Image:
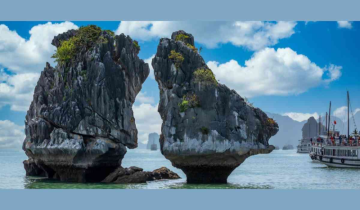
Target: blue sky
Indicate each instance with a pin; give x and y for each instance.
(289, 68)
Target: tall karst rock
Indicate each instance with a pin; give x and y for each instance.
(311, 129)
(208, 130)
(81, 120)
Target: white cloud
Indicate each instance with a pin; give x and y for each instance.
(20, 55)
(273, 72)
(17, 90)
(301, 116)
(356, 110)
(344, 24)
(333, 72)
(253, 35)
(11, 135)
(341, 113)
(148, 61)
(142, 98)
(25, 59)
(147, 120)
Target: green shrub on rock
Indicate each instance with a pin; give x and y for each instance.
(192, 47)
(66, 51)
(181, 37)
(205, 76)
(85, 38)
(184, 105)
(176, 57)
(189, 101)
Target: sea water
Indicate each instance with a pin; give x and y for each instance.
(281, 169)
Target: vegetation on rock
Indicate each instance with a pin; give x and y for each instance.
(85, 38)
(271, 121)
(176, 57)
(189, 101)
(181, 37)
(205, 75)
(192, 47)
(136, 43)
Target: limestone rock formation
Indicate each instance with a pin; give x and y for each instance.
(81, 120)
(208, 130)
(153, 139)
(311, 129)
(137, 175)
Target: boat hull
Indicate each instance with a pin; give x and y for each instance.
(340, 162)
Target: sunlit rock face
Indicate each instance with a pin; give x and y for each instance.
(81, 120)
(208, 130)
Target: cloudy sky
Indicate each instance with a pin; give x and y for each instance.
(289, 68)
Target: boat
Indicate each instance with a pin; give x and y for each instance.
(288, 147)
(304, 146)
(335, 150)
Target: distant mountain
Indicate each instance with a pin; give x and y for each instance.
(290, 131)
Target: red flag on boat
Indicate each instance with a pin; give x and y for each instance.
(335, 122)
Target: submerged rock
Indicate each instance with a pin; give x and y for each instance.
(137, 175)
(208, 130)
(81, 119)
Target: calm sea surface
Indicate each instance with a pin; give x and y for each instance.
(278, 170)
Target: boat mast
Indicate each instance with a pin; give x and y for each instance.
(329, 121)
(348, 109)
(326, 122)
(319, 125)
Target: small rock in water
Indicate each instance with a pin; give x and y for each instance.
(137, 175)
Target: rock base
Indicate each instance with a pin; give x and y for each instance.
(207, 175)
(67, 174)
(212, 168)
(32, 169)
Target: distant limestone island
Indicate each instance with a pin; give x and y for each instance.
(153, 142)
(81, 123)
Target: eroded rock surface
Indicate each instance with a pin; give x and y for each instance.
(81, 120)
(137, 175)
(208, 130)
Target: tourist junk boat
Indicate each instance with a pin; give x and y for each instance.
(304, 146)
(335, 150)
